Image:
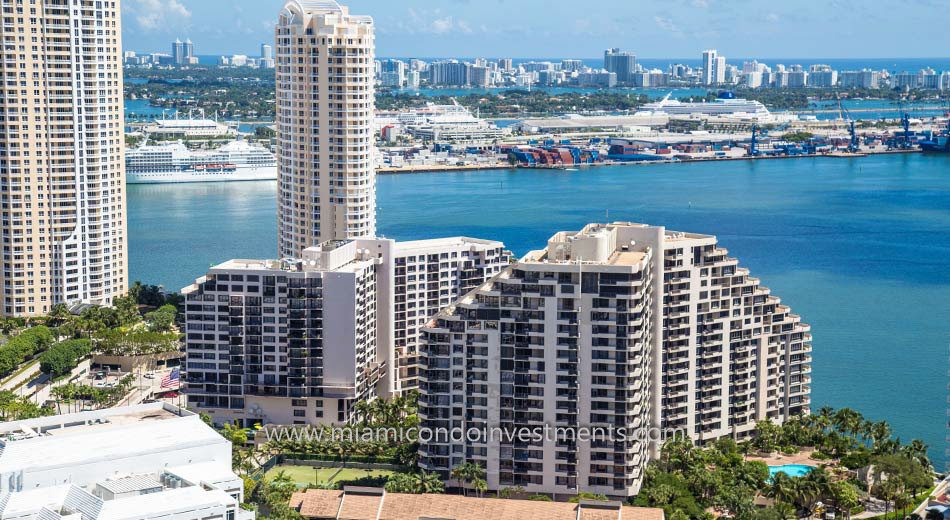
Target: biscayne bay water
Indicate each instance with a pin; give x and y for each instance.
(859, 247)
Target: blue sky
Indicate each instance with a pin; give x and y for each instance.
(574, 28)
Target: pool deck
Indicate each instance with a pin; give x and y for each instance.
(802, 457)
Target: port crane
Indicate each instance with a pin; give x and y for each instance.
(904, 142)
(854, 145)
(753, 149)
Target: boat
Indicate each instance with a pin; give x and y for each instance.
(726, 104)
(174, 162)
(939, 142)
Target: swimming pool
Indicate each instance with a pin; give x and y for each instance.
(792, 470)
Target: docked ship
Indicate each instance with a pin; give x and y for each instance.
(938, 142)
(726, 104)
(174, 162)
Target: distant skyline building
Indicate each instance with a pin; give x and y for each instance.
(822, 76)
(183, 53)
(714, 68)
(61, 163)
(622, 63)
(865, 78)
(450, 73)
(266, 60)
(325, 111)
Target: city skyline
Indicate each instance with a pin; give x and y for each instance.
(653, 30)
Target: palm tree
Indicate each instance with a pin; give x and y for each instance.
(426, 482)
(481, 486)
(467, 473)
(782, 488)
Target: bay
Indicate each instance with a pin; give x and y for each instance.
(859, 247)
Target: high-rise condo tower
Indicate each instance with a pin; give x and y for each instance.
(327, 186)
(62, 175)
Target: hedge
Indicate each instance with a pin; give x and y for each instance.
(61, 358)
(24, 347)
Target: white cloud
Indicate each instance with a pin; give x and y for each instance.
(772, 17)
(442, 25)
(433, 23)
(156, 14)
(666, 24)
(702, 4)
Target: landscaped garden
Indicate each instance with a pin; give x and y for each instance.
(308, 476)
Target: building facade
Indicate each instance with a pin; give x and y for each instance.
(302, 341)
(709, 67)
(623, 63)
(562, 338)
(62, 176)
(135, 463)
(291, 341)
(430, 275)
(616, 326)
(325, 110)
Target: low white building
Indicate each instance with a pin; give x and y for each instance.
(179, 128)
(130, 463)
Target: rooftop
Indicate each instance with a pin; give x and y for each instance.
(364, 503)
(102, 435)
(441, 243)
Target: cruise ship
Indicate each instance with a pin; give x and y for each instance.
(725, 105)
(174, 162)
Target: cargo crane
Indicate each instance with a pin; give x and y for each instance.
(904, 142)
(753, 151)
(854, 145)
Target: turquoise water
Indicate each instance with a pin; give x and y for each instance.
(859, 247)
(792, 470)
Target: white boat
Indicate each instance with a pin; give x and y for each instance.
(724, 105)
(174, 162)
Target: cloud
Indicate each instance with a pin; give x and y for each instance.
(666, 24)
(702, 4)
(434, 23)
(442, 25)
(156, 14)
(772, 17)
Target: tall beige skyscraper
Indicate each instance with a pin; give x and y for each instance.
(325, 106)
(62, 174)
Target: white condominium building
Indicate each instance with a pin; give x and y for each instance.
(429, 276)
(291, 341)
(622, 326)
(325, 110)
(302, 341)
(151, 461)
(733, 354)
(62, 180)
(562, 338)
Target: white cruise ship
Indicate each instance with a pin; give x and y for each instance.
(726, 105)
(174, 162)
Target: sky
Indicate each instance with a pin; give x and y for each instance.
(572, 28)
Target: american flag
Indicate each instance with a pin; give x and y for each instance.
(172, 380)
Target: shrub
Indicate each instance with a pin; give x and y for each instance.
(23, 347)
(61, 358)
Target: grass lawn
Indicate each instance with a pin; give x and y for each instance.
(304, 475)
